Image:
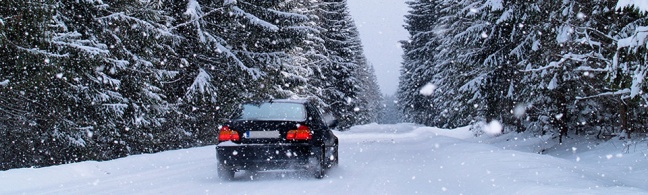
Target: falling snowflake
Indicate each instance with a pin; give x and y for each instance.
(428, 89)
(484, 35)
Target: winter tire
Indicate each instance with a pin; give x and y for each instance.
(317, 167)
(224, 173)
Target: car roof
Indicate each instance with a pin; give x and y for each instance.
(297, 101)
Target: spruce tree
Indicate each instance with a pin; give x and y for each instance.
(27, 83)
(416, 70)
(341, 86)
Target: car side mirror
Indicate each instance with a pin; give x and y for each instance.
(330, 120)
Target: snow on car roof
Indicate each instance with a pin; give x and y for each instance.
(300, 101)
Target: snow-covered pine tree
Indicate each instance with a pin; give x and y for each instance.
(463, 63)
(234, 51)
(542, 66)
(194, 58)
(416, 62)
(553, 71)
(577, 83)
(139, 31)
(99, 80)
(89, 130)
(309, 56)
(628, 71)
(482, 45)
(564, 59)
(370, 96)
(341, 85)
(297, 32)
(339, 92)
(99, 96)
(270, 29)
(123, 53)
(27, 84)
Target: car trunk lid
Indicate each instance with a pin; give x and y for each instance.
(263, 132)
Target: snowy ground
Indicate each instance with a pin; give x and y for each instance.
(374, 159)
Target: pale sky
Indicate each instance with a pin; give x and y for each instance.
(380, 23)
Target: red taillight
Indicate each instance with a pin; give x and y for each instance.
(301, 133)
(226, 134)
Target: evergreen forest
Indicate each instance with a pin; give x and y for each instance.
(561, 68)
(98, 80)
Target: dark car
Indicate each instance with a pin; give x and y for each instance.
(276, 135)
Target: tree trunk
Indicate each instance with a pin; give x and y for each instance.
(562, 130)
(623, 116)
(561, 101)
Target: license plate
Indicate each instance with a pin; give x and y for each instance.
(261, 134)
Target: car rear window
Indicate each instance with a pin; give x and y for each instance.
(274, 112)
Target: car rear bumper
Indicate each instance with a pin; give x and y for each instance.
(266, 157)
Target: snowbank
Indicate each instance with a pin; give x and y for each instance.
(374, 159)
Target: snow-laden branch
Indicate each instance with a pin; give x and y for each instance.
(638, 39)
(4, 83)
(566, 57)
(268, 58)
(42, 52)
(113, 95)
(281, 14)
(289, 15)
(228, 2)
(121, 64)
(165, 74)
(138, 60)
(149, 92)
(255, 73)
(304, 29)
(473, 84)
(519, 51)
(116, 108)
(471, 9)
(590, 69)
(254, 20)
(564, 33)
(585, 30)
(192, 12)
(613, 93)
(88, 49)
(78, 141)
(195, 13)
(506, 15)
(495, 5)
(108, 80)
(472, 33)
(100, 2)
(71, 39)
(201, 85)
(161, 29)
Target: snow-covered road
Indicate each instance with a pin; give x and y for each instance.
(374, 159)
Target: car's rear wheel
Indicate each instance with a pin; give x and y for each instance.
(317, 167)
(225, 173)
(318, 170)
